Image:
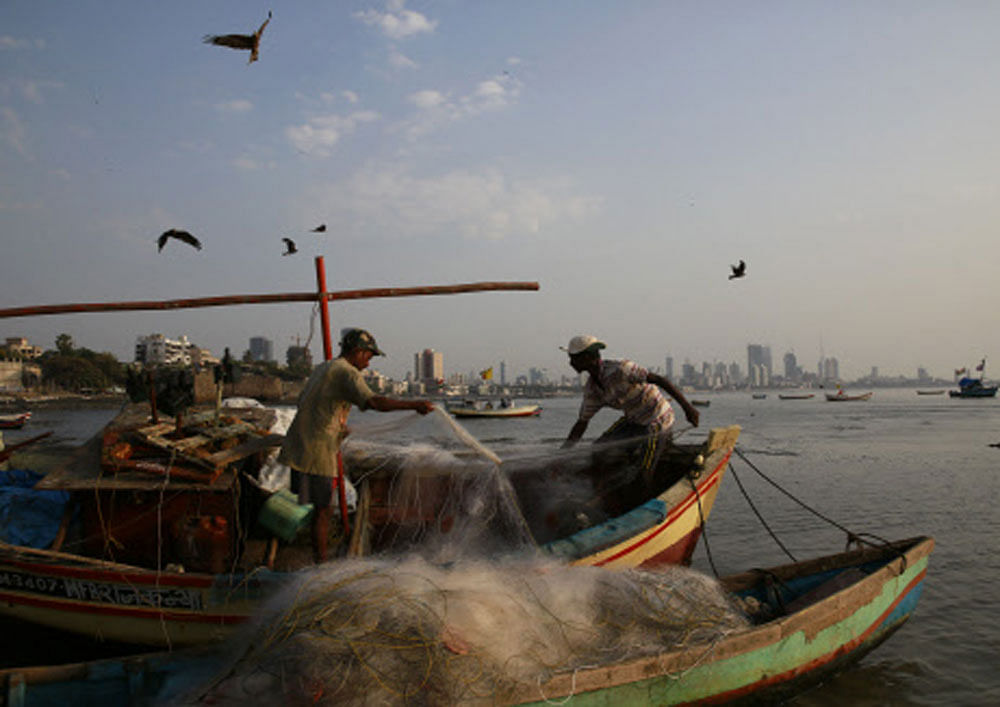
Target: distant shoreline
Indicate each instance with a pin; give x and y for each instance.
(60, 400)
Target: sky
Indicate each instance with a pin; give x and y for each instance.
(622, 155)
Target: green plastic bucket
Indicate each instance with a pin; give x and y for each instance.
(283, 515)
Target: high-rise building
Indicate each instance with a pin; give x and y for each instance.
(759, 359)
(503, 373)
(431, 366)
(793, 372)
(261, 349)
(669, 368)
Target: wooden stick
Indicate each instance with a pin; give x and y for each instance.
(228, 300)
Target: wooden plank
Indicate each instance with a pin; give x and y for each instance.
(241, 451)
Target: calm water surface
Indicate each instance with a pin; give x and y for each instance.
(896, 466)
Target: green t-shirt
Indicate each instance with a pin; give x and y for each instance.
(317, 430)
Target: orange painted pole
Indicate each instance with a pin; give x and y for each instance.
(324, 320)
(324, 308)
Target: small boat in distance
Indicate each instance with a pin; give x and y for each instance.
(14, 422)
(701, 403)
(759, 396)
(796, 396)
(840, 395)
(486, 408)
(969, 387)
(931, 392)
(973, 388)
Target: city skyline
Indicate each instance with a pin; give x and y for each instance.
(431, 364)
(623, 156)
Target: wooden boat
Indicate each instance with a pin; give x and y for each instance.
(808, 620)
(701, 403)
(796, 396)
(759, 396)
(830, 611)
(931, 392)
(486, 408)
(170, 550)
(841, 396)
(15, 421)
(973, 388)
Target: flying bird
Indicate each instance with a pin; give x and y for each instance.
(289, 246)
(320, 228)
(179, 235)
(738, 270)
(239, 41)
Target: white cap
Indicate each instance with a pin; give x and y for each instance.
(584, 342)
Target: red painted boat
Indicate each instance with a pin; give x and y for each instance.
(14, 422)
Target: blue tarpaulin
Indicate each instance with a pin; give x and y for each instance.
(27, 516)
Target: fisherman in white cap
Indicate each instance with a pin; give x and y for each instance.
(313, 439)
(638, 393)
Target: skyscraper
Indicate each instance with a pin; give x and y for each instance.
(431, 366)
(261, 349)
(759, 364)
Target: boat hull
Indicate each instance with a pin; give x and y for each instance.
(848, 398)
(765, 663)
(768, 662)
(520, 411)
(125, 604)
(14, 422)
(989, 392)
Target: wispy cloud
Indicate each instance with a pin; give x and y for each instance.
(247, 164)
(238, 105)
(13, 133)
(398, 60)
(437, 109)
(477, 205)
(8, 43)
(320, 133)
(396, 22)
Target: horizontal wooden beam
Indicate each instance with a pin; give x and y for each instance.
(229, 300)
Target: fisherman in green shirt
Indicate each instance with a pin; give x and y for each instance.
(320, 425)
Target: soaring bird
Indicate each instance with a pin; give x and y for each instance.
(239, 41)
(319, 229)
(738, 270)
(179, 235)
(289, 246)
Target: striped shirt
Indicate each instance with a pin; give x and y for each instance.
(623, 387)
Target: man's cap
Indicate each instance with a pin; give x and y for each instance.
(583, 344)
(359, 339)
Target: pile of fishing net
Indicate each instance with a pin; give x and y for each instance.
(405, 631)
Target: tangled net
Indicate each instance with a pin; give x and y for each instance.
(386, 632)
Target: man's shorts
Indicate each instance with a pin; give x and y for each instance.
(317, 490)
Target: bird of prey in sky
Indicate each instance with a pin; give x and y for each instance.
(738, 270)
(240, 41)
(179, 235)
(289, 246)
(320, 228)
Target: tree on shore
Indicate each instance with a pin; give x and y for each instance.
(71, 368)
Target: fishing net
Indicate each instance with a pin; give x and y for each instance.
(405, 631)
(445, 496)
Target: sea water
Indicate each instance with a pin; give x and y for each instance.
(896, 466)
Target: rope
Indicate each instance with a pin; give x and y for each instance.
(704, 535)
(757, 513)
(851, 536)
